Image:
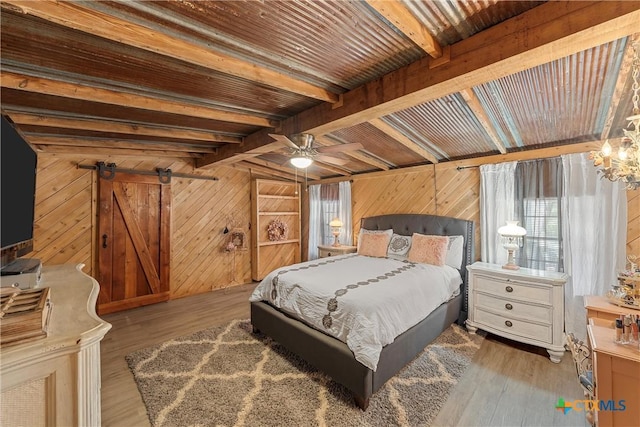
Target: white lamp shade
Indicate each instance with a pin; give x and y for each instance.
(512, 229)
(335, 222)
(301, 162)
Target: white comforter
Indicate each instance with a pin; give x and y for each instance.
(363, 301)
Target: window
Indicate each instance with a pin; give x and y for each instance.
(326, 202)
(538, 195)
(543, 240)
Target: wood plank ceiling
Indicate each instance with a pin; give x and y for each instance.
(413, 82)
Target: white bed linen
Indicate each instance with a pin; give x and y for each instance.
(363, 301)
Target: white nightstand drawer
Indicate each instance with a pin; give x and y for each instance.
(514, 290)
(510, 307)
(534, 331)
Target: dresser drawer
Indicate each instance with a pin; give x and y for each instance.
(510, 307)
(512, 289)
(521, 328)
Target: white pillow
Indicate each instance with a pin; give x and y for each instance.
(455, 252)
(399, 246)
(389, 232)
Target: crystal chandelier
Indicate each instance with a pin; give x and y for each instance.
(625, 164)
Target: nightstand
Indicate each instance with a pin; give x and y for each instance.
(328, 250)
(523, 305)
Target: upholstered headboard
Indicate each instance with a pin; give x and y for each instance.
(407, 224)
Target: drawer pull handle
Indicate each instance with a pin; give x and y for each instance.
(508, 289)
(508, 306)
(508, 323)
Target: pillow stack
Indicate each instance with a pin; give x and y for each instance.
(429, 249)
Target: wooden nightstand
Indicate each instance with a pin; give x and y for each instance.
(523, 305)
(328, 250)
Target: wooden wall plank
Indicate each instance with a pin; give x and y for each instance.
(66, 206)
(386, 193)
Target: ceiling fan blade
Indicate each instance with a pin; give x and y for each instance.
(340, 148)
(283, 139)
(330, 159)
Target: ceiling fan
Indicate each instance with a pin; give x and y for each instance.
(303, 153)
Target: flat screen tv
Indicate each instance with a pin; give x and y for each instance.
(17, 199)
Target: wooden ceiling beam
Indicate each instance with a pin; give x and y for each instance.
(283, 170)
(356, 154)
(92, 152)
(394, 133)
(77, 141)
(112, 126)
(265, 171)
(42, 85)
(83, 18)
(399, 16)
(475, 106)
(328, 167)
(548, 32)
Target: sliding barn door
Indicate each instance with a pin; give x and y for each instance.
(134, 238)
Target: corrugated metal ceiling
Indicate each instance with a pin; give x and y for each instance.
(339, 46)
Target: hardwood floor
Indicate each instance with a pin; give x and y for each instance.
(507, 384)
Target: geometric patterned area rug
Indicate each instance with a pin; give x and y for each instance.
(228, 376)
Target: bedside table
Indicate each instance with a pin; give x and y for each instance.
(523, 305)
(328, 250)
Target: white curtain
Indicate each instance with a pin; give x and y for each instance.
(594, 235)
(344, 213)
(318, 219)
(315, 214)
(497, 205)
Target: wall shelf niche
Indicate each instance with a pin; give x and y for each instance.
(275, 205)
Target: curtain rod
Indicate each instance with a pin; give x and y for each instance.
(459, 168)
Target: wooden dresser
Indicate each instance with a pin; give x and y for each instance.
(55, 381)
(524, 305)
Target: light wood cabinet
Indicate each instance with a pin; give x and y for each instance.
(55, 381)
(600, 308)
(524, 305)
(616, 370)
(272, 203)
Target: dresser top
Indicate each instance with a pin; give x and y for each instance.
(552, 276)
(602, 340)
(73, 322)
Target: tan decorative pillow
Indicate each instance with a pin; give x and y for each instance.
(374, 244)
(364, 231)
(428, 249)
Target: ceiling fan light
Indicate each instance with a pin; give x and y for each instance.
(301, 162)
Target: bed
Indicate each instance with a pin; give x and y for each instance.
(334, 357)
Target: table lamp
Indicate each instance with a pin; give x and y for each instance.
(335, 225)
(512, 238)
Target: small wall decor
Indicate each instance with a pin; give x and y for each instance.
(239, 239)
(277, 230)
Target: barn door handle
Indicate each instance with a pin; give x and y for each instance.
(104, 240)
